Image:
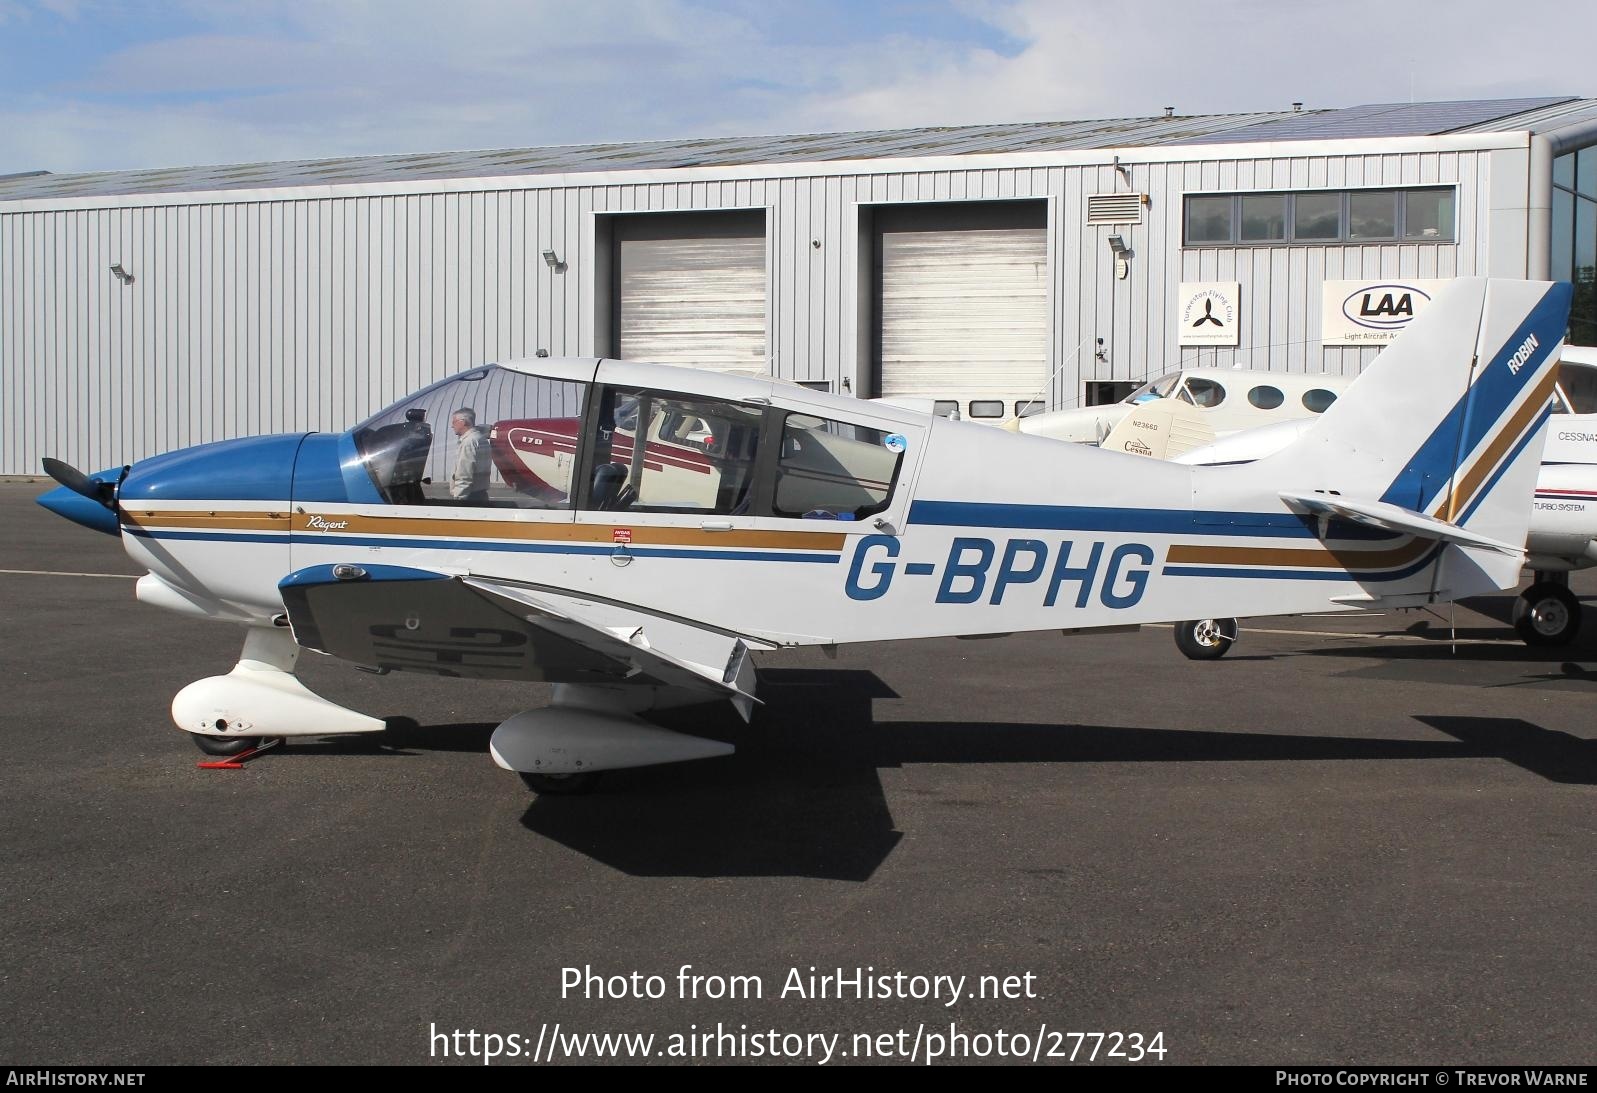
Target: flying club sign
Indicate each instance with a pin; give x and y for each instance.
(1210, 312)
(1372, 312)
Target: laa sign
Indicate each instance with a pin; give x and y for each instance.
(1372, 312)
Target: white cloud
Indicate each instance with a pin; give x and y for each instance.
(266, 79)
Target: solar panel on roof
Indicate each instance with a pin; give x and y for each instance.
(1377, 120)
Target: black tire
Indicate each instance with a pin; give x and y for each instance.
(1206, 639)
(225, 745)
(1547, 614)
(560, 785)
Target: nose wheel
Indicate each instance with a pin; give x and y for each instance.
(225, 745)
(1547, 613)
(560, 785)
(1206, 639)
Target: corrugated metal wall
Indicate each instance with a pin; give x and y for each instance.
(309, 313)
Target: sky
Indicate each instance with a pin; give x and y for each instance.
(112, 84)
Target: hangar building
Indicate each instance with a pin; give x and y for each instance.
(996, 268)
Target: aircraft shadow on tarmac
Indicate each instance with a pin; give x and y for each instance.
(802, 796)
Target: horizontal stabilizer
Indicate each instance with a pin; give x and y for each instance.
(1390, 517)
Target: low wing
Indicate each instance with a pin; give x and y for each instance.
(418, 620)
(1390, 517)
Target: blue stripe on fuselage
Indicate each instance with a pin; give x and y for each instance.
(1274, 525)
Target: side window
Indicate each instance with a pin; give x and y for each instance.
(661, 452)
(1265, 397)
(831, 470)
(1318, 400)
(1202, 392)
(488, 438)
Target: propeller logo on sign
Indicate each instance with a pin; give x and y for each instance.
(1383, 307)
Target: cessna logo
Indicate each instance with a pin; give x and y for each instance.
(1383, 307)
(316, 523)
(1522, 354)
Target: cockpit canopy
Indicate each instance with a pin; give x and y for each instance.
(501, 438)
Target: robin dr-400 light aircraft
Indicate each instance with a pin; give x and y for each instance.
(631, 533)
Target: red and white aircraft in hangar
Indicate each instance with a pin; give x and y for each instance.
(632, 532)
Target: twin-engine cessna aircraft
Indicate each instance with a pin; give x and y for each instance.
(631, 532)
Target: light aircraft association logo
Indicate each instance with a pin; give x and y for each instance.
(1383, 307)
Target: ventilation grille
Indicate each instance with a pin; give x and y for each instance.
(1115, 208)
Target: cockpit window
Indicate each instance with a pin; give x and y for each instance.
(1159, 388)
(1202, 392)
(832, 470)
(696, 454)
(1577, 386)
(490, 437)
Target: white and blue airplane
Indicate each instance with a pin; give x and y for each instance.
(631, 533)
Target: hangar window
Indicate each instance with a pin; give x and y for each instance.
(1320, 217)
(1574, 238)
(834, 470)
(1317, 217)
(985, 408)
(1372, 216)
(1263, 218)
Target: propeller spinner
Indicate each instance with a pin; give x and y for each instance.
(90, 501)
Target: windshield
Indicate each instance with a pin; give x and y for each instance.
(1159, 388)
(1577, 389)
(491, 437)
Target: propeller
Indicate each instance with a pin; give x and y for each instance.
(94, 489)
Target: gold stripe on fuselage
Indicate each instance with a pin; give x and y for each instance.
(1316, 557)
(219, 520)
(561, 532)
(333, 525)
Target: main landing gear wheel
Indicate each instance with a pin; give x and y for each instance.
(225, 745)
(1206, 639)
(1547, 614)
(560, 785)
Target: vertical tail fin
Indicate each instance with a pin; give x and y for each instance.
(1446, 423)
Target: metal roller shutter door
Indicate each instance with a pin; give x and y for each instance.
(964, 314)
(696, 301)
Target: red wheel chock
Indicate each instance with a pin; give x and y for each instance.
(236, 762)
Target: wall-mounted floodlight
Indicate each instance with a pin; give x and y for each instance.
(121, 274)
(1122, 253)
(552, 260)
